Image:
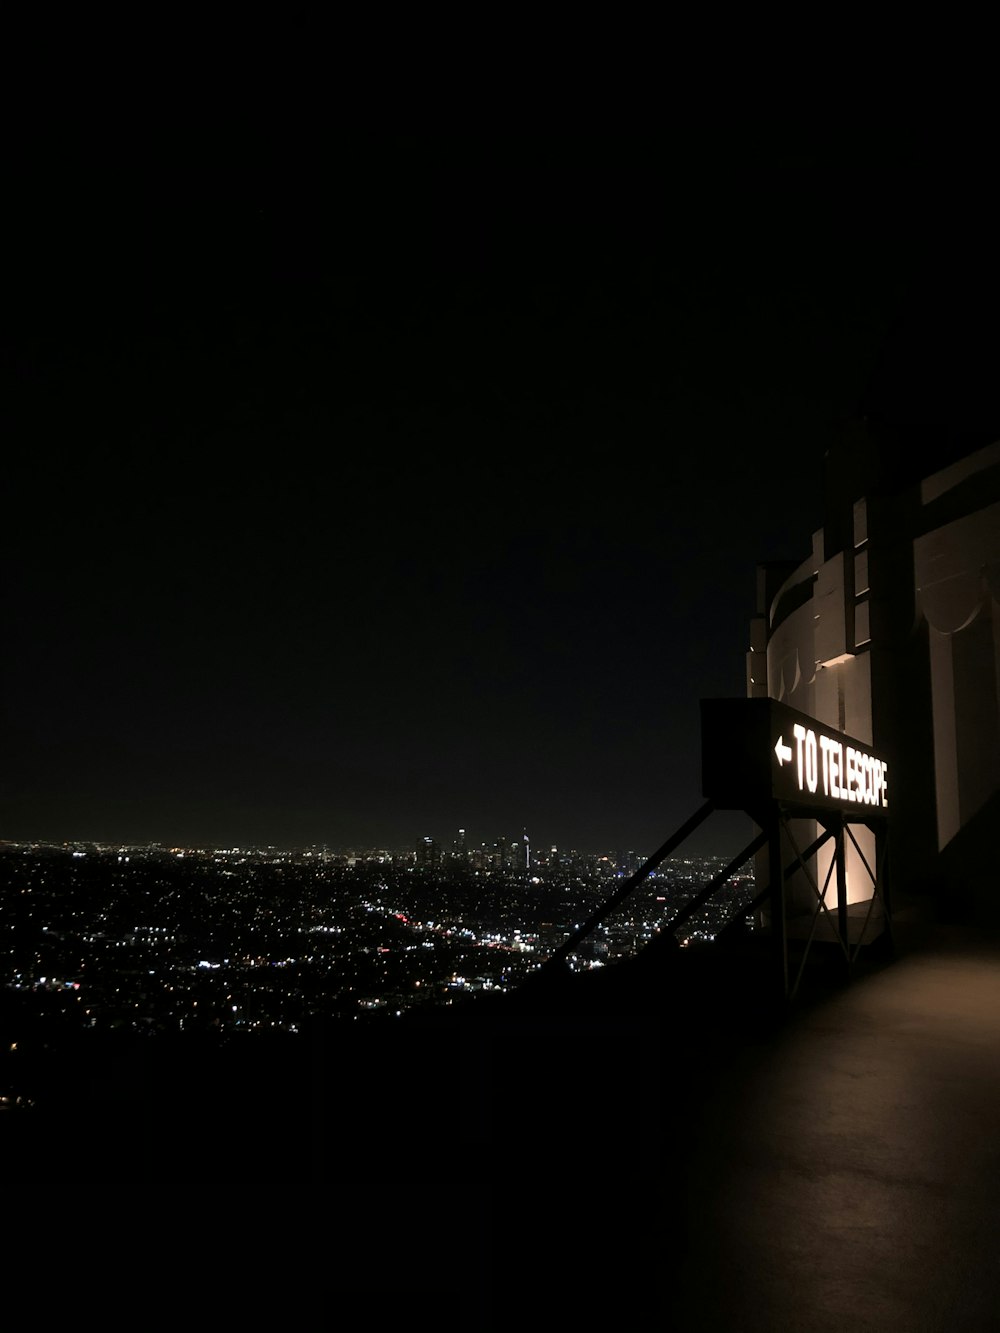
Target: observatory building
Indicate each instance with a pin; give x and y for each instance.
(889, 631)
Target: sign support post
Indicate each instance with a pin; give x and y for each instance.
(841, 857)
(777, 764)
(779, 916)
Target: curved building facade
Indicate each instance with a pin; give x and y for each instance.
(889, 631)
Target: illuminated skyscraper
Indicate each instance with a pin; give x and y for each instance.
(428, 853)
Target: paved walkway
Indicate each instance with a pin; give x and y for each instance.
(847, 1174)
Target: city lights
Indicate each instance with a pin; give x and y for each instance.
(198, 939)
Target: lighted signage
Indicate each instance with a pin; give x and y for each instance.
(846, 773)
(759, 749)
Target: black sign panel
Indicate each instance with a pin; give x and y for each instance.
(758, 749)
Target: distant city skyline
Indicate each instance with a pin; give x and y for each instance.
(540, 851)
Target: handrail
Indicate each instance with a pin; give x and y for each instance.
(699, 899)
(557, 959)
(716, 882)
(630, 884)
(763, 894)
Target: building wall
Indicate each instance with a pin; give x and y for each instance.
(890, 631)
(813, 663)
(957, 570)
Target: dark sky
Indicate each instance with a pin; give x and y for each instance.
(360, 488)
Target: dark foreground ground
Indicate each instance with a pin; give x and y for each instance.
(666, 1148)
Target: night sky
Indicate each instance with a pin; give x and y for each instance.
(362, 488)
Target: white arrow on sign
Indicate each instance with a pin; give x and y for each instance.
(783, 751)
